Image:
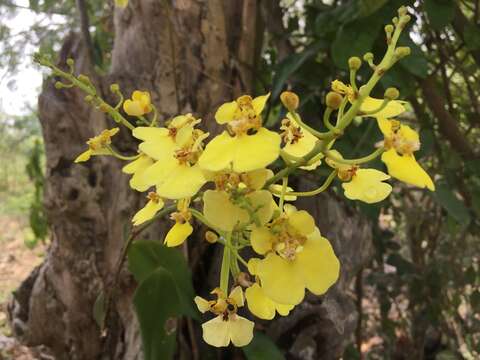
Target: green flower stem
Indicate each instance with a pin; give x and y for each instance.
(386, 63)
(311, 130)
(362, 160)
(87, 88)
(353, 79)
(153, 123)
(288, 158)
(225, 270)
(326, 119)
(284, 190)
(322, 188)
(233, 251)
(120, 156)
(341, 109)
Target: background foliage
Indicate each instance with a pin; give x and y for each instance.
(420, 295)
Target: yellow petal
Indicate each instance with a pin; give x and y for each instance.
(223, 214)
(85, 156)
(180, 181)
(317, 264)
(157, 143)
(240, 330)
(393, 108)
(408, 133)
(147, 212)
(216, 332)
(258, 303)
(253, 265)
(202, 304)
(406, 169)
(259, 103)
(303, 146)
(237, 295)
(280, 280)
(385, 126)
(261, 240)
(241, 153)
(147, 133)
(256, 179)
(302, 221)
(226, 112)
(367, 185)
(133, 108)
(283, 309)
(137, 168)
(178, 234)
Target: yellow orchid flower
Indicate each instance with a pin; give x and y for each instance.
(140, 103)
(154, 205)
(98, 145)
(182, 228)
(367, 185)
(401, 141)
(392, 109)
(175, 150)
(227, 212)
(297, 257)
(259, 304)
(241, 152)
(298, 141)
(227, 326)
(137, 167)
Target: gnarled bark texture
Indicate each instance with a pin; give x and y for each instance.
(191, 56)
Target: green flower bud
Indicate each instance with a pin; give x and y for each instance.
(84, 79)
(333, 100)
(402, 11)
(114, 88)
(368, 57)
(88, 98)
(354, 63)
(211, 237)
(402, 51)
(391, 93)
(389, 28)
(70, 62)
(59, 85)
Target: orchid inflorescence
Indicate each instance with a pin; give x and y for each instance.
(247, 205)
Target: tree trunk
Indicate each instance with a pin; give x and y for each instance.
(191, 56)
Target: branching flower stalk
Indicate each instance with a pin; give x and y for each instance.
(175, 160)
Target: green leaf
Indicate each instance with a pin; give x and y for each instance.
(472, 36)
(157, 304)
(475, 299)
(440, 12)
(262, 348)
(350, 41)
(451, 203)
(291, 64)
(145, 257)
(99, 311)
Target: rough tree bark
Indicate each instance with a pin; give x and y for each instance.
(192, 56)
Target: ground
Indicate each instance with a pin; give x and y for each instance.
(16, 262)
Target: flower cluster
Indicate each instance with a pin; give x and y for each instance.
(224, 182)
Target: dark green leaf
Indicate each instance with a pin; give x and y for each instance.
(416, 63)
(440, 12)
(352, 42)
(472, 36)
(291, 64)
(445, 196)
(144, 257)
(99, 310)
(157, 304)
(475, 299)
(262, 348)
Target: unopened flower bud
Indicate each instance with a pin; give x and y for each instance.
(368, 56)
(84, 79)
(402, 51)
(88, 98)
(395, 20)
(211, 237)
(59, 85)
(391, 93)
(70, 62)
(333, 100)
(389, 28)
(354, 63)
(290, 100)
(114, 88)
(243, 279)
(402, 11)
(103, 107)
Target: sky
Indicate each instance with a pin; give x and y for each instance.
(28, 78)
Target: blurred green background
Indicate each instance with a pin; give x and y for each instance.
(420, 294)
